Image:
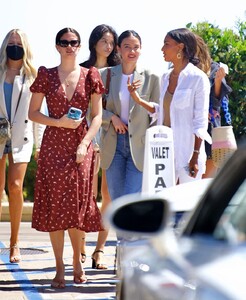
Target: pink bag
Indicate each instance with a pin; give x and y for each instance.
(223, 144)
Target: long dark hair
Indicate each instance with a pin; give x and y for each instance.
(188, 38)
(66, 30)
(113, 59)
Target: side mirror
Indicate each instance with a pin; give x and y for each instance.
(138, 214)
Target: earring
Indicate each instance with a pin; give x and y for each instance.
(179, 55)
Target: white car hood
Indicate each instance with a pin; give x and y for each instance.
(184, 197)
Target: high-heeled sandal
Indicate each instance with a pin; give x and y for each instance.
(14, 258)
(79, 278)
(58, 284)
(83, 257)
(96, 265)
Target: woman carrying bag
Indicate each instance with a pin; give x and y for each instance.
(16, 76)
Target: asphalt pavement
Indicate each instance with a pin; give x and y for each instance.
(31, 278)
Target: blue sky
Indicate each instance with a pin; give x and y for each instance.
(41, 20)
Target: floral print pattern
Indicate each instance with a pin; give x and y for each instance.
(63, 190)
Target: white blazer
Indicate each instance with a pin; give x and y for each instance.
(23, 129)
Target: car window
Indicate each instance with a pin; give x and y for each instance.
(232, 224)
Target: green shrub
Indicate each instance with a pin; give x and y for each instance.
(29, 181)
(229, 47)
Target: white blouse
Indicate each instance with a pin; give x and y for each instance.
(125, 98)
(188, 112)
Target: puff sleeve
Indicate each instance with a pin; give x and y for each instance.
(40, 84)
(95, 82)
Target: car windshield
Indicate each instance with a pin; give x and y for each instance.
(232, 224)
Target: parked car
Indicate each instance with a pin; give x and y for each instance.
(205, 260)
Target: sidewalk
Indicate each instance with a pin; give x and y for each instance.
(30, 279)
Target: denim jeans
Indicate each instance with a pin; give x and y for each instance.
(122, 175)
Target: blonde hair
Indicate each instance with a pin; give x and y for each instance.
(203, 54)
(28, 68)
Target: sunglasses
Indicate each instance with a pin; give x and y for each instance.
(66, 43)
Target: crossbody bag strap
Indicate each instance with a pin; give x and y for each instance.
(108, 81)
(18, 101)
(104, 100)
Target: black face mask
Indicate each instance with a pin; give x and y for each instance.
(15, 52)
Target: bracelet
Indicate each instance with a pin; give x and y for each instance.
(196, 151)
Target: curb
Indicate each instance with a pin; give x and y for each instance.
(26, 213)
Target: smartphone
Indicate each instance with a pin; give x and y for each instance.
(190, 172)
(74, 113)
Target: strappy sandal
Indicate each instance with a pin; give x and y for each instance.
(14, 258)
(83, 257)
(95, 265)
(79, 278)
(58, 284)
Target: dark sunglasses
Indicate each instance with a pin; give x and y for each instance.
(65, 43)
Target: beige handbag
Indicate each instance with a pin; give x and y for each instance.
(223, 144)
(5, 130)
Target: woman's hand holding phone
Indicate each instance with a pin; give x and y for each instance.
(72, 120)
(66, 122)
(74, 113)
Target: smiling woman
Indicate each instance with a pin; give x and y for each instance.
(122, 138)
(183, 102)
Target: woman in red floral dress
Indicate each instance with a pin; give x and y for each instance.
(63, 191)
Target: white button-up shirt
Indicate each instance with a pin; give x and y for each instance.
(188, 112)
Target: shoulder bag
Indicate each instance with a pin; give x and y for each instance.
(223, 139)
(5, 126)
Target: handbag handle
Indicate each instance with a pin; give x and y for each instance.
(227, 115)
(225, 107)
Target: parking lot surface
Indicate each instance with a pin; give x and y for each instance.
(31, 278)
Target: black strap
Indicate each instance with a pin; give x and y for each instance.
(104, 98)
(18, 102)
(108, 81)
